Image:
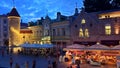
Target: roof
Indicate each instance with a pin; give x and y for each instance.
(14, 12)
(26, 31)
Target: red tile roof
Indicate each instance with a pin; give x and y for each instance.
(26, 31)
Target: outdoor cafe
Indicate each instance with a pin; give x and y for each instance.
(95, 53)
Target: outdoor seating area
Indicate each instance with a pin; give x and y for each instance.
(97, 54)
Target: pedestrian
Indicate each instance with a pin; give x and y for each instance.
(48, 58)
(2, 53)
(17, 65)
(78, 66)
(34, 64)
(49, 65)
(60, 58)
(70, 66)
(54, 64)
(11, 62)
(26, 64)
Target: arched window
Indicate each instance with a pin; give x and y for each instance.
(86, 33)
(81, 32)
(83, 21)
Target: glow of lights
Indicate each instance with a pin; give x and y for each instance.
(117, 31)
(14, 30)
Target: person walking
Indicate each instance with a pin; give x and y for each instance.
(49, 65)
(54, 63)
(17, 65)
(26, 64)
(2, 53)
(34, 64)
(78, 66)
(11, 62)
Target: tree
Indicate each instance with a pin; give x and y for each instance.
(116, 3)
(97, 5)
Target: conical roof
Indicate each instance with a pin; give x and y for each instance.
(14, 12)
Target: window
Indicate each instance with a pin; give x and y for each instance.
(54, 32)
(63, 31)
(107, 29)
(81, 32)
(83, 21)
(91, 24)
(117, 30)
(75, 26)
(46, 32)
(5, 21)
(58, 31)
(86, 33)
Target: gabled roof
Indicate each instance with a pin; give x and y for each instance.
(14, 12)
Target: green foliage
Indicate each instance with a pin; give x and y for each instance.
(100, 5)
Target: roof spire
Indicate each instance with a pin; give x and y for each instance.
(76, 4)
(76, 9)
(13, 3)
(47, 11)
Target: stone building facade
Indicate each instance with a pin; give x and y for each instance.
(60, 32)
(4, 31)
(90, 28)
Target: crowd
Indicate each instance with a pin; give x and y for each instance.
(18, 66)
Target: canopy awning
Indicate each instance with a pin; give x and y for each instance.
(75, 47)
(26, 45)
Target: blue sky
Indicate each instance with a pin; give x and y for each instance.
(31, 10)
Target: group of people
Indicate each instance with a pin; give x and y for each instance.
(26, 64)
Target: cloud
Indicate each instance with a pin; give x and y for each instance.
(23, 6)
(30, 8)
(5, 5)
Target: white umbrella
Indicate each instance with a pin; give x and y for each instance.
(98, 46)
(76, 46)
(117, 47)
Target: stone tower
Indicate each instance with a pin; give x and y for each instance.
(14, 27)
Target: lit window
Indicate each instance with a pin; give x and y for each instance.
(117, 30)
(108, 29)
(81, 33)
(86, 33)
(83, 21)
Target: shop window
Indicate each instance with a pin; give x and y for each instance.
(107, 29)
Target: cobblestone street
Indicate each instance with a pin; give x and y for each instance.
(41, 62)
